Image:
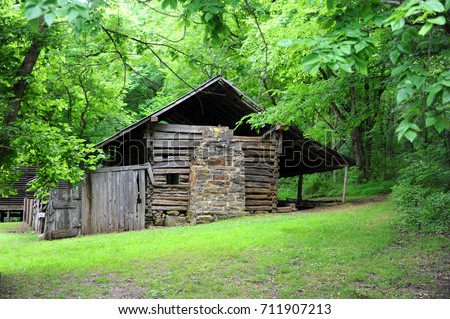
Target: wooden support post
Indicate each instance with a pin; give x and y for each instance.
(299, 188)
(344, 192)
(8, 216)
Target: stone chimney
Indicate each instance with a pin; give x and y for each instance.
(217, 189)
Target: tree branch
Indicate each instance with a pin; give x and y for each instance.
(393, 2)
(108, 32)
(263, 38)
(146, 43)
(338, 112)
(174, 41)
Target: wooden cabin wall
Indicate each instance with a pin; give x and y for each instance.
(261, 173)
(15, 203)
(170, 150)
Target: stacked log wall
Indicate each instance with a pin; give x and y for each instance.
(261, 173)
(171, 150)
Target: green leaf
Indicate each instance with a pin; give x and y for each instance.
(430, 119)
(417, 80)
(446, 96)
(432, 94)
(345, 67)
(80, 4)
(346, 49)
(400, 69)
(32, 11)
(433, 6)
(426, 28)
(285, 43)
(439, 20)
(49, 18)
(360, 46)
(308, 42)
(366, 10)
(447, 4)
(402, 95)
(312, 58)
(34, 24)
(360, 65)
(441, 124)
(394, 56)
(410, 135)
(400, 129)
(397, 24)
(330, 4)
(165, 4)
(72, 14)
(208, 16)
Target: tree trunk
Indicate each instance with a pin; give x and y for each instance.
(19, 88)
(367, 158)
(358, 149)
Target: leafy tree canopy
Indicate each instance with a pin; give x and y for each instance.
(366, 77)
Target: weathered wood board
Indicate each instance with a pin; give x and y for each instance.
(261, 172)
(117, 201)
(109, 200)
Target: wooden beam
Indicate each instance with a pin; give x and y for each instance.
(182, 208)
(120, 168)
(299, 188)
(63, 233)
(344, 192)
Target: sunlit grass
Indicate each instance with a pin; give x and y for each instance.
(351, 252)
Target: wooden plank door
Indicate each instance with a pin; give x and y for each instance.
(116, 200)
(63, 214)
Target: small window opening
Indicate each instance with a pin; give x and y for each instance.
(173, 179)
(165, 155)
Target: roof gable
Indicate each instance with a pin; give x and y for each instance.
(217, 102)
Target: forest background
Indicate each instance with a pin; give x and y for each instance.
(369, 78)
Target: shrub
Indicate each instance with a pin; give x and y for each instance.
(422, 195)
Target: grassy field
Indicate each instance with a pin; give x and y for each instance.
(349, 251)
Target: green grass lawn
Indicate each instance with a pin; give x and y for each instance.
(350, 251)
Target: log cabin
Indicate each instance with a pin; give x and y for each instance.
(13, 206)
(188, 163)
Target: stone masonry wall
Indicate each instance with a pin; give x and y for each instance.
(217, 181)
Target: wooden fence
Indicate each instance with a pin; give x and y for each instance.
(34, 214)
(109, 200)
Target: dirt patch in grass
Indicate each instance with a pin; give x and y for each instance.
(110, 286)
(22, 228)
(441, 273)
(335, 204)
(7, 288)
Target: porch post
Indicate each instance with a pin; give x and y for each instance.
(344, 192)
(299, 188)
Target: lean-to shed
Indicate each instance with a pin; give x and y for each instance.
(188, 163)
(15, 203)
